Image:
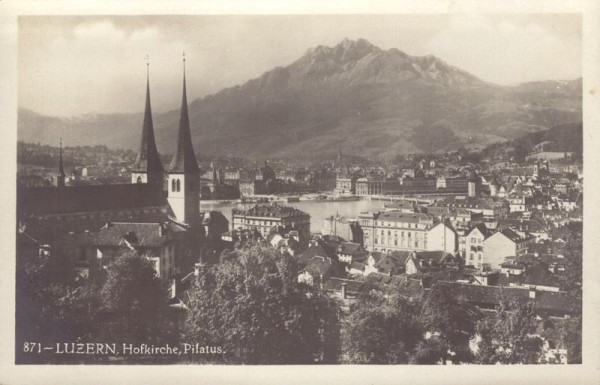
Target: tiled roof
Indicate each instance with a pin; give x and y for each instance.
(137, 235)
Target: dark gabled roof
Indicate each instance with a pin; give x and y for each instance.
(184, 160)
(512, 235)
(352, 287)
(148, 159)
(74, 199)
(482, 229)
(402, 255)
(436, 256)
(311, 252)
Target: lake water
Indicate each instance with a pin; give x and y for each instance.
(318, 211)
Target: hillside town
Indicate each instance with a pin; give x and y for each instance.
(484, 229)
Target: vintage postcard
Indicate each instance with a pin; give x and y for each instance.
(249, 191)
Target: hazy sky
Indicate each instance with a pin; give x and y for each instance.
(74, 65)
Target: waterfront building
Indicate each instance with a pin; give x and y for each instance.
(264, 217)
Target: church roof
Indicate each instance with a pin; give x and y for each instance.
(73, 199)
(148, 158)
(143, 235)
(184, 160)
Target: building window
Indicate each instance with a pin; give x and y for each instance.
(178, 185)
(172, 184)
(139, 179)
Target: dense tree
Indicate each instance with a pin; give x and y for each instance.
(51, 305)
(571, 336)
(450, 326)
(380, 329)
(252, 306)
(508, 336)
(134, 301)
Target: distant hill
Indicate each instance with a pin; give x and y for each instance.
(564, 138)
(354, 96)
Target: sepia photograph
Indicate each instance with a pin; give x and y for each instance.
(331, 189)
(363, 190)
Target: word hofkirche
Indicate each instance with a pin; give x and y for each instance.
(115, 349)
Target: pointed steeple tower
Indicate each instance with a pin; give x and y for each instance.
(148, 167)
(184, 159)
(60, 180)
(184, 173)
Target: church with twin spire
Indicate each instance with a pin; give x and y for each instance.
(183, 173)
(157, 214)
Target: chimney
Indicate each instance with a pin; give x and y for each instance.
(343, 290)
(196, 269)
(532, 292)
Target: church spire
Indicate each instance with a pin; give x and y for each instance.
(148, 160)
(60, 181)
(184, 160)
